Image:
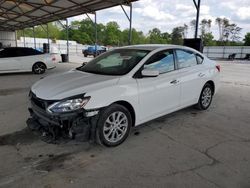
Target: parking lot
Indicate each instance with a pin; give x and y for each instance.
(188, 148)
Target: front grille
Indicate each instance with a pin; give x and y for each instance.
(43, 104)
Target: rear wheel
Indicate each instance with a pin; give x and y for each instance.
(85, 55)
(113, 126)
(205, 97)
(39, 68)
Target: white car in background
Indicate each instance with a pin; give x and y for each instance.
(22, 59)
(120, 89)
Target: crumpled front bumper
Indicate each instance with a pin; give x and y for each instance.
(73, 125)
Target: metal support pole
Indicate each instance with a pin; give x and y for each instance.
(24, 38)
(130, 22)
(95, 25)
(67, 31)
(95, 36)
(34, 37)
(47, 33)
(16, 38)
(197, 6)
(130, 25)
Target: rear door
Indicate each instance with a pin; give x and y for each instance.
(159, 95)
(9, 61)
(190, 74)
(29, 56)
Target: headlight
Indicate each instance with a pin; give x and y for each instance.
(68, 105)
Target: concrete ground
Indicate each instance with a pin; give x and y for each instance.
(188, 148)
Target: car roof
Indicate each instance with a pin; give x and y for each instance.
(152, 47)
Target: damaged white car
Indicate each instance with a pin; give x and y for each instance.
(120, 89)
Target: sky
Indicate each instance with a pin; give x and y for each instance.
(167, 14)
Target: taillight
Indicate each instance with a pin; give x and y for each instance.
(218, 67)
(53, 58)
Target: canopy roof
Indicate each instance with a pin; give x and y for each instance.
(20, 14)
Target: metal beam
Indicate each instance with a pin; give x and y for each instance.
(67, 32)
(95, 36)
(129, 17)
(95, 25)
(16, 38)
(130, 25)
(24, 38)
(197, 6)
(47, 33)
(34, 35)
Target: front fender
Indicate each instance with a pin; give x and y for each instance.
(121, 92)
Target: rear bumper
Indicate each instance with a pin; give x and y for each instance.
(51, 67)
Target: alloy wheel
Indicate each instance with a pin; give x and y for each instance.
(115, 127)
(206, 97)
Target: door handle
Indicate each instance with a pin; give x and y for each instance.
(201, 75)
(174, 82)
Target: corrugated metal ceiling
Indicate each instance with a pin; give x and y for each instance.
(21, 14)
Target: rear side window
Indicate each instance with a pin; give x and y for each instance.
(8, 52)
(199, 59)
(18, 52)
(161, 61)
(28, 52)
(185, 59)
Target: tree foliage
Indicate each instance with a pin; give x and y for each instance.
(111, 34)
(177, 35)
(228, 30)
(247, 39)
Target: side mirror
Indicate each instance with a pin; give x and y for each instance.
(150, 73)
(84, 63)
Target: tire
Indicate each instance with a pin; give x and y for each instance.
(39, 68)
(206, 97)
(85, 55)
(109, 132)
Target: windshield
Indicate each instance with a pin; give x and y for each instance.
(115, 62)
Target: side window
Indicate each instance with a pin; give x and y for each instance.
(199, 59)
(162, 61)
(8, 53)
(28, 52)
(185, 59)
(2, 53)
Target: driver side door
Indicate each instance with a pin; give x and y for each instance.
(9, 61)
(161, 94)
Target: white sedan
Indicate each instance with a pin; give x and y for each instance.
(121, 89)
(21, 59)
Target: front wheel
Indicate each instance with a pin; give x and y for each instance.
(113, 126)
(205, 97)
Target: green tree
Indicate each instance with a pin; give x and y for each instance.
(206, 35)
(137, 37)
(208, 39)
(155, 37)
(228, 30)
(247, 39)
(167, 37)
(177, 35)
(112, 34)
(41, 31)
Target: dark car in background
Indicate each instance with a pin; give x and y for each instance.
(94, 50)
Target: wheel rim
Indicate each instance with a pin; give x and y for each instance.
(206, 97)
(39, 68)
(115, 127)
